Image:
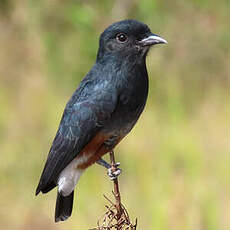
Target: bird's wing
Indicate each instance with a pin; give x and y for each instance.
(80, 123)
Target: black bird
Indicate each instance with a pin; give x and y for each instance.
(102, 111)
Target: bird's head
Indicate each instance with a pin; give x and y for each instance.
(127, 38)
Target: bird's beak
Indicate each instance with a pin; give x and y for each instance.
(152, 39)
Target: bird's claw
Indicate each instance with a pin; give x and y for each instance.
(113, 173)
(117, 164)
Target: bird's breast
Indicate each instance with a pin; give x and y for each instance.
(131, 102)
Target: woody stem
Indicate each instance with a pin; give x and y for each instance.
(116, 187)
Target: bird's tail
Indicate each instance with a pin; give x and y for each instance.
(64, 206)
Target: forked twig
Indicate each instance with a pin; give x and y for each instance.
(116, 216)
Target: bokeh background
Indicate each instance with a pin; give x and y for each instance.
(176, 161)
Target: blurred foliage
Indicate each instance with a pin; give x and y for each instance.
(176, 160)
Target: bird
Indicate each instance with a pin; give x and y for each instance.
(101, 112)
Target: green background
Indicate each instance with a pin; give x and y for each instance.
(175, 161)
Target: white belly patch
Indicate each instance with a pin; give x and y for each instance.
(70, 175)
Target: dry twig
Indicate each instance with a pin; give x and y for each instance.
(116, 216)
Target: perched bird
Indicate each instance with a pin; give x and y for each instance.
(102, 111)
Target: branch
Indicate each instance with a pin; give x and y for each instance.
(116, 216)
(116, 191)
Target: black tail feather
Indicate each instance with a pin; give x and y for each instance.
(64, 206)
(45, 189)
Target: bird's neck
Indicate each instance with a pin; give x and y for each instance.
(124, 69)
(118, 61)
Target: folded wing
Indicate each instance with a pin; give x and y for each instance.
(79, 124)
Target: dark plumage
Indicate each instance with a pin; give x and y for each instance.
(103, 109)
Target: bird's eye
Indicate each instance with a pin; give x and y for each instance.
(122, 38)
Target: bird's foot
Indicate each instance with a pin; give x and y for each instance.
(114, 172)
